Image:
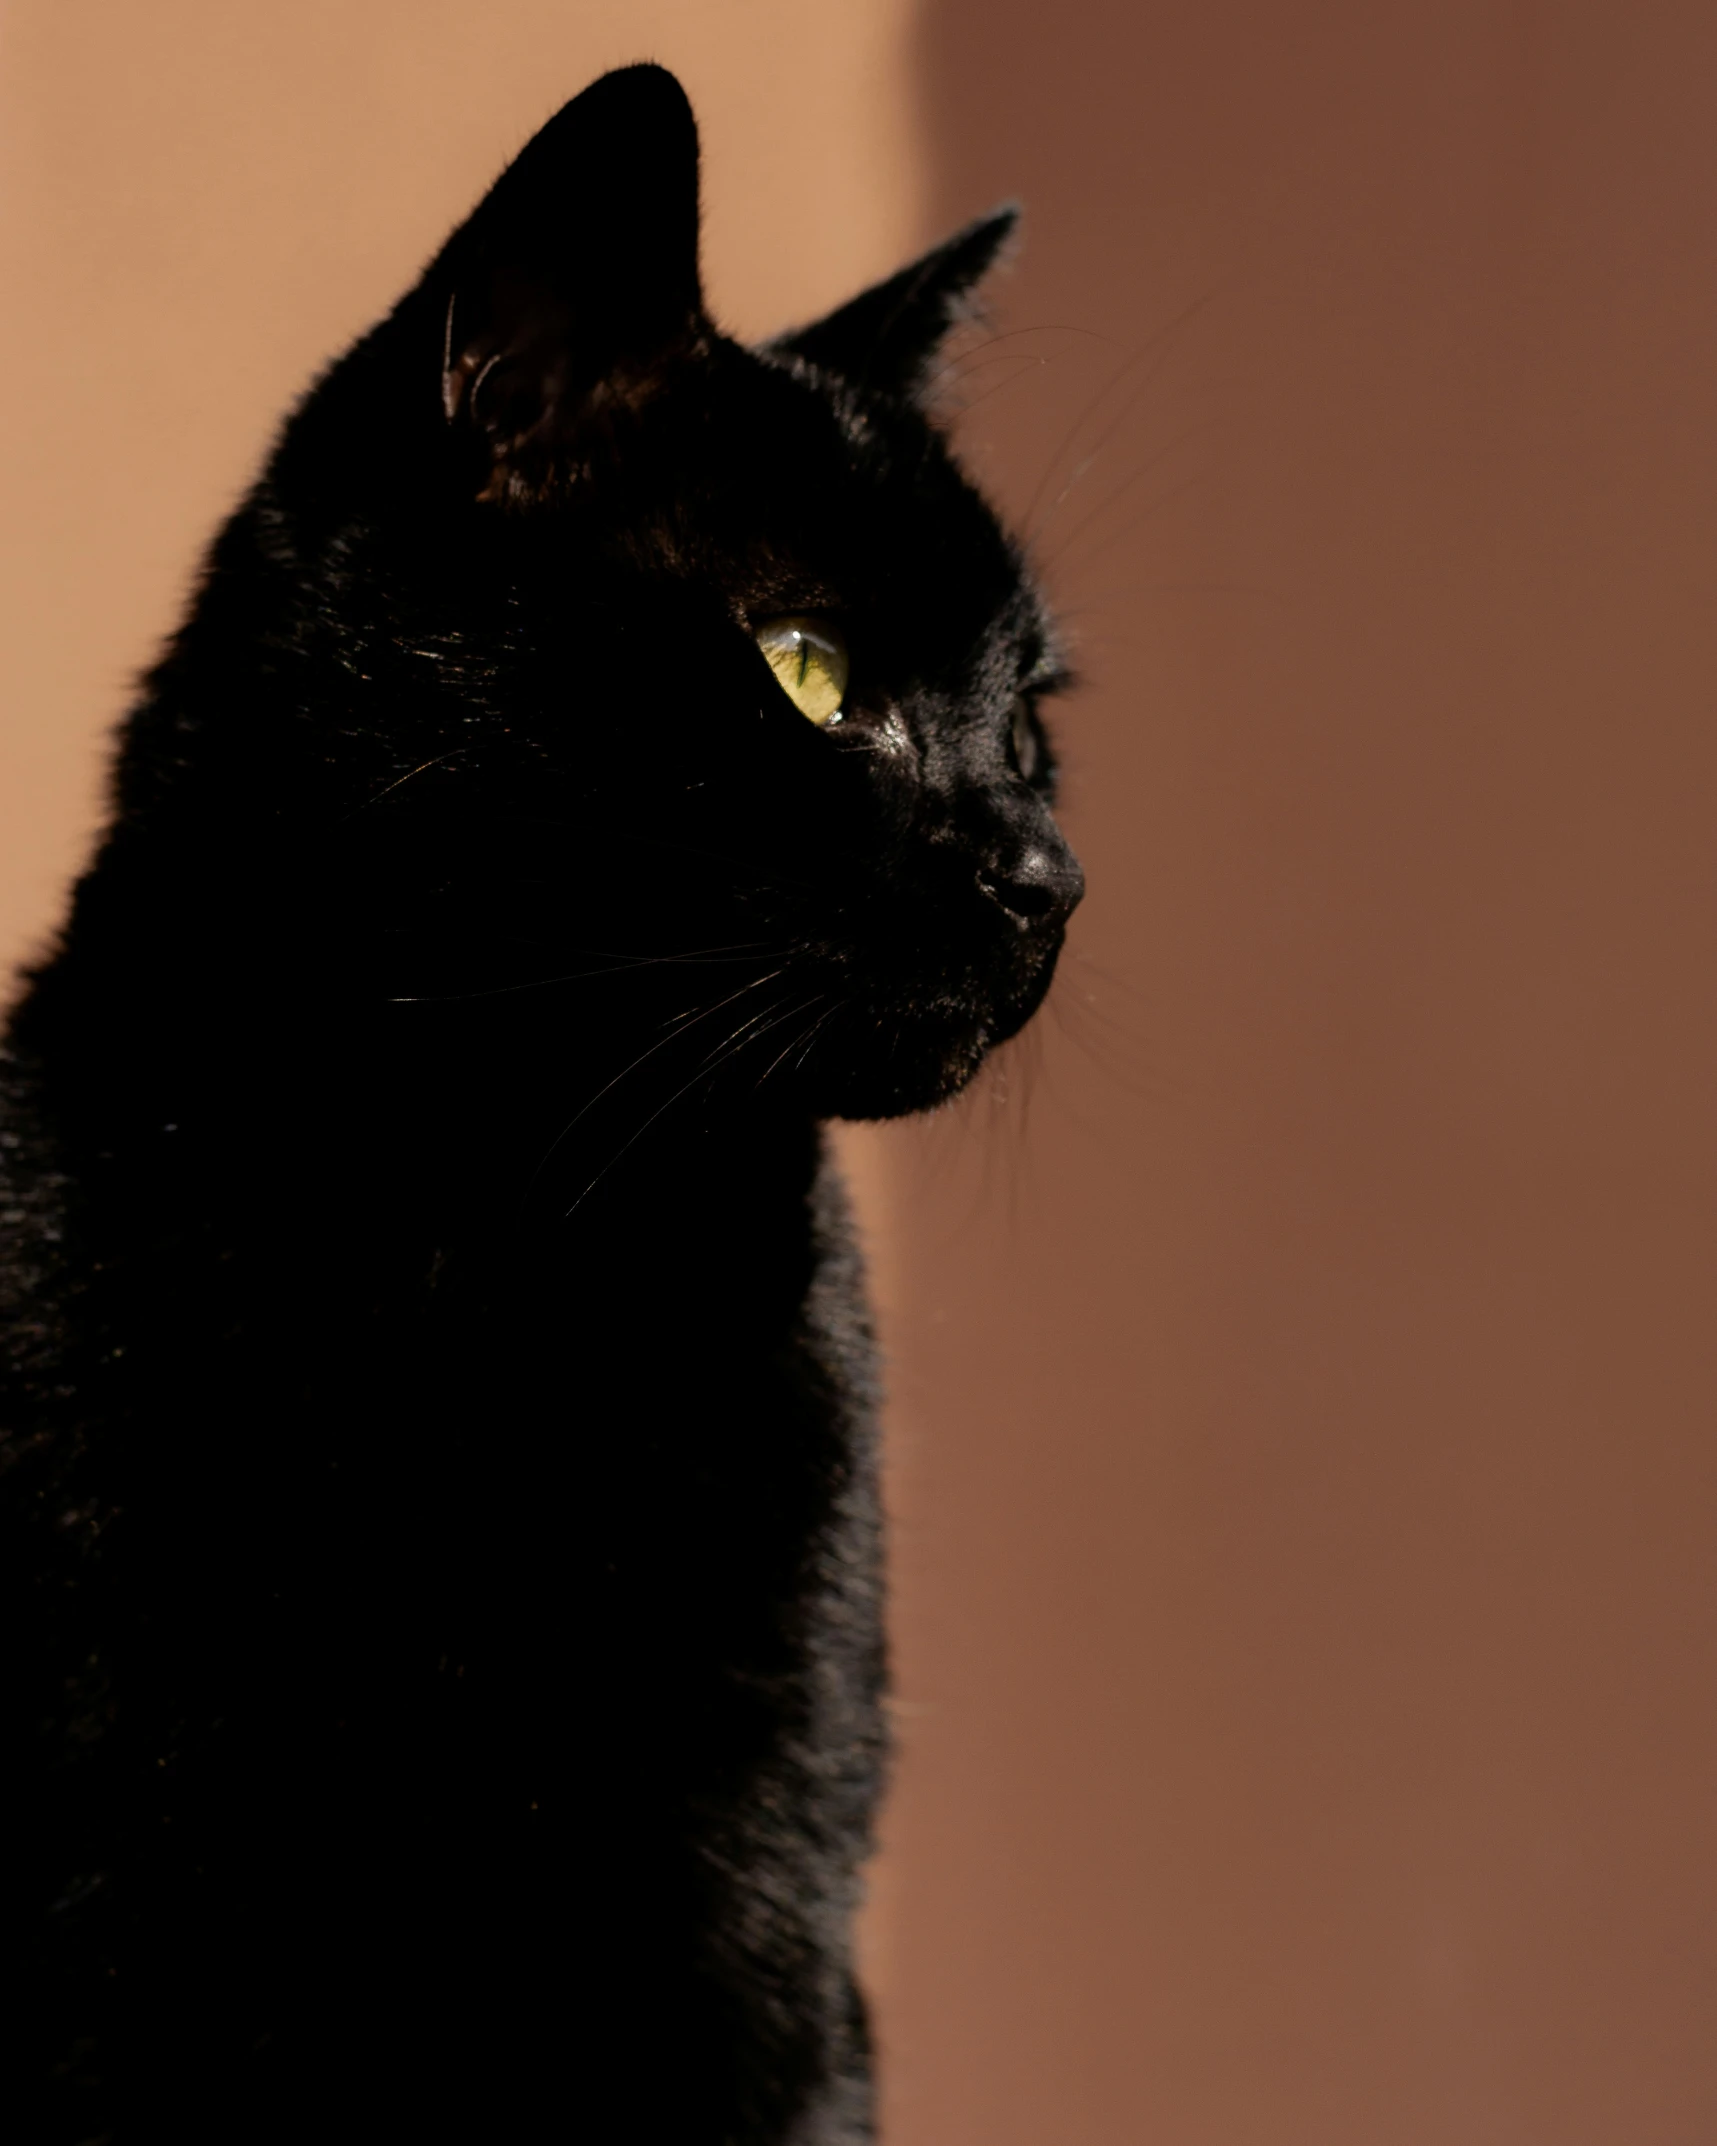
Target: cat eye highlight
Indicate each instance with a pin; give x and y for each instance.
(809, 658)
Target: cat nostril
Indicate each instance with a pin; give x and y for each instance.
(1019, 897)
(1035, 886)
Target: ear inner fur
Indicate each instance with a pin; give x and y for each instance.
(581, 260)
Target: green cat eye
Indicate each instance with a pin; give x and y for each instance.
(809, 657)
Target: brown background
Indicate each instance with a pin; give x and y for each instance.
(1304, 1343)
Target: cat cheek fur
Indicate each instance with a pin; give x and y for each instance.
(440, 1636)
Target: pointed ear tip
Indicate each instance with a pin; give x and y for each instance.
(643, 92)
(988, 238)
(646, 81)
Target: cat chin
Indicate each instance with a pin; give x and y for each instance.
(917, 1068)
(899, 1094)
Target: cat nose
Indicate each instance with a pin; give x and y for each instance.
(1039, 885)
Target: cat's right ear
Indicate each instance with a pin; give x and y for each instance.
(579, 267)
(888, 337)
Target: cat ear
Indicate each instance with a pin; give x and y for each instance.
(579, 264)
(888, 336)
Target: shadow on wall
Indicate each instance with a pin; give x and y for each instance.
(1303, 1399)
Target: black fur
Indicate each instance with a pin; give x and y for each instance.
(441, 1638)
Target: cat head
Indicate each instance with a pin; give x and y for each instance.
(699, 658)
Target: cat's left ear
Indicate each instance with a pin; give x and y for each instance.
(887, 338)
(579, 267)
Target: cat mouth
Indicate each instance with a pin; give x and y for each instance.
(887, 1052)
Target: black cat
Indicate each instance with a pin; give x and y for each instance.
(441, 1633)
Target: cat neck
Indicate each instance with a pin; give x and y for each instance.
(337, 1149)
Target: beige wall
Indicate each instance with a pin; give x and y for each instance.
(1304, 1345)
